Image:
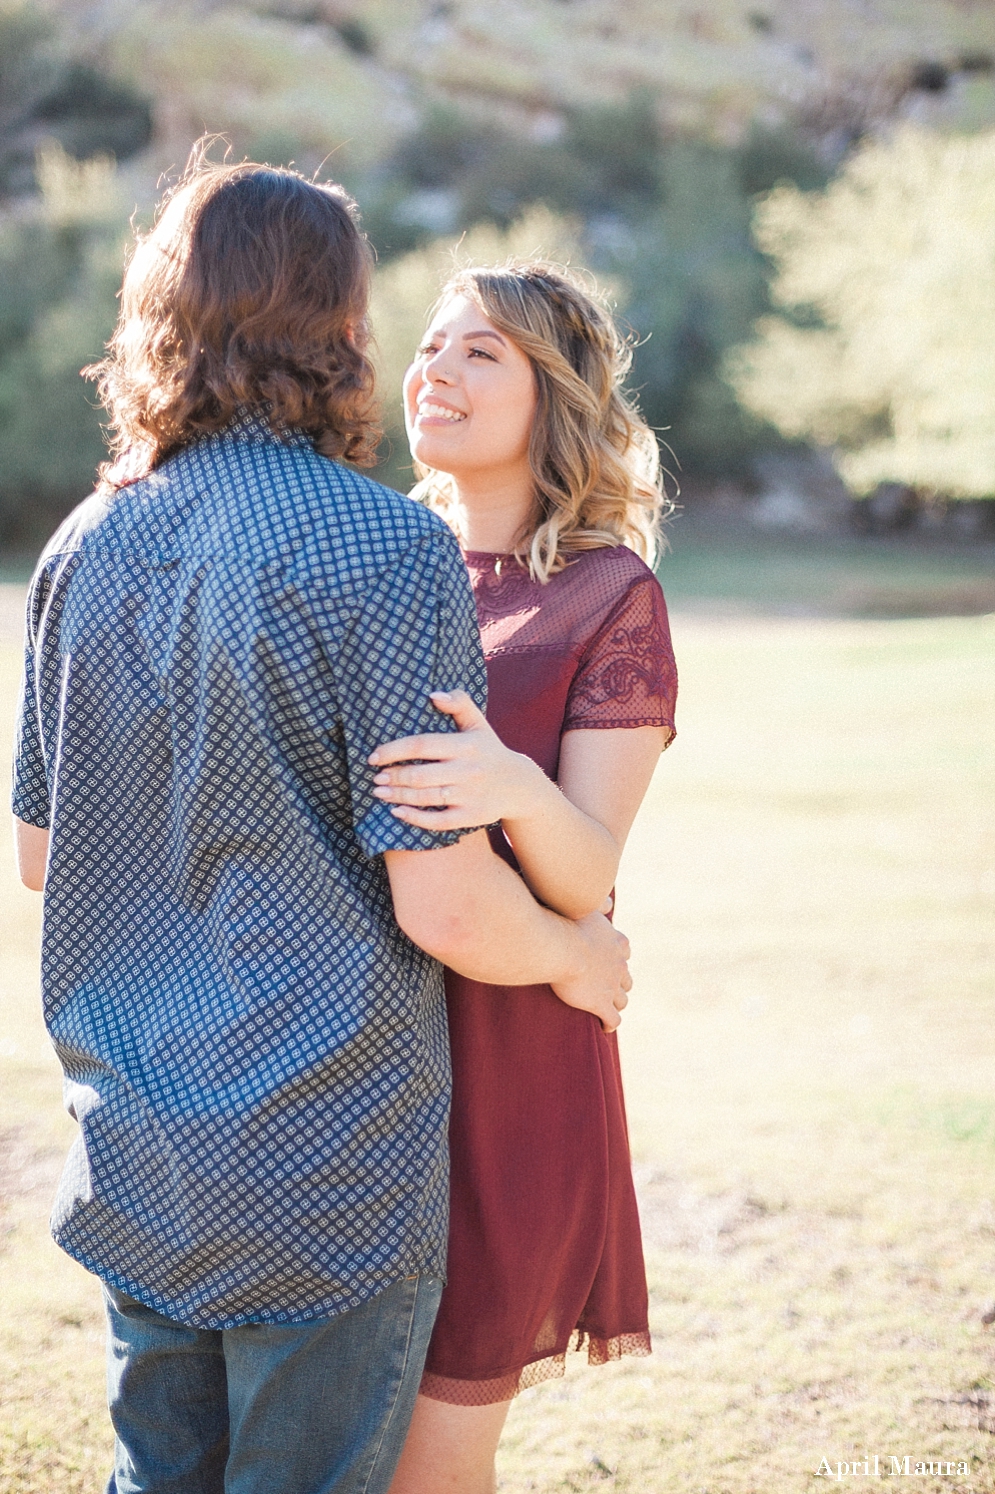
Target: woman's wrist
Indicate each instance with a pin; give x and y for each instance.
(534, 795)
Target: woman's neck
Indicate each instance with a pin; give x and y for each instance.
(490, 517)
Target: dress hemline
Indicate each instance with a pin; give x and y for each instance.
(505, 1387)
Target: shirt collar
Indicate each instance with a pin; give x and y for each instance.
(250, 423)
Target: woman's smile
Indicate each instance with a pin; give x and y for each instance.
(433, 410)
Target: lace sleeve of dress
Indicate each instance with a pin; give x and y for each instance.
(627, 675)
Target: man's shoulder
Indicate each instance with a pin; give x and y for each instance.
(249, 502)
(85, 519)
(258, 492)
(360, 501)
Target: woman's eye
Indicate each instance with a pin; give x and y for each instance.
(429, 347)
(482, 353)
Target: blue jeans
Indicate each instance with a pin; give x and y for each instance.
(293, 1408)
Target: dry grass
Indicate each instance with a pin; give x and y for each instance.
(811, 1085)
(810, 1072)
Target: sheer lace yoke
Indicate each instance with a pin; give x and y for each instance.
(604, 613)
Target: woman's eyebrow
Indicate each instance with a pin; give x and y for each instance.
(484, 332)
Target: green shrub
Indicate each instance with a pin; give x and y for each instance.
(694, 286)
(255, 77)
(884, 344)
(29, 70)
(61, 258)
(45, 94)
(601, 159)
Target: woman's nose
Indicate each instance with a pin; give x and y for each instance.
(438, 368)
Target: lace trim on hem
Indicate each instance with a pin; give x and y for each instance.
(551, 1367)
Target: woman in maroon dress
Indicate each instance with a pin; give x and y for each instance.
(526, 444)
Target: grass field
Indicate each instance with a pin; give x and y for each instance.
(811, 1081)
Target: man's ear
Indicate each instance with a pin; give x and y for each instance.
(357, 334)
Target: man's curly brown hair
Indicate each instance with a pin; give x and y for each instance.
(250, 292)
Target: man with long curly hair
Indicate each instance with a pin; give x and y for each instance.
(241, 943)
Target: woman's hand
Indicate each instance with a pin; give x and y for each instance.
(602, 985)
(463, 780)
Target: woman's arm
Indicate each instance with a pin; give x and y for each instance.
(568, 838)
(570, 856)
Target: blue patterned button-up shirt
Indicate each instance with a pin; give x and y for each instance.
(256, 1055)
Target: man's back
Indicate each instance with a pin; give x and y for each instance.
(255, 1053)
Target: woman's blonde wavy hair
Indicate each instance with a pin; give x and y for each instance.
(595, 462)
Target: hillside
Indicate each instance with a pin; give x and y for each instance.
(355, 75)
(648, 130)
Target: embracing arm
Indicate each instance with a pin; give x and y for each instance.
(568, 838)
(31, 850)
(466, 907)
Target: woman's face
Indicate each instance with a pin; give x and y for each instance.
(470, 397)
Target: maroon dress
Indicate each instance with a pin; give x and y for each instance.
(544, 1245)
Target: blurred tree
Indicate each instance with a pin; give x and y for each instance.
(90, 114)
(61, 257)
(29, 69)
(885, 345)
(769, 156)
(45, 95)
(695, 285)
(667, 220)
(458, 169)
(620, 150)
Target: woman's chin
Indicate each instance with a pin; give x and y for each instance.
(432, 454)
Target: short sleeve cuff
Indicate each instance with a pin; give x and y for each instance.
(622, 723)
(380, 831)
(31, 809)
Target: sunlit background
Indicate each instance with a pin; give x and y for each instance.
(792, 204)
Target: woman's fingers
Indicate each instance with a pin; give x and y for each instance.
(435, 819)
(436, 746)
(613, 1021)
(417, 775)
(441, 795)
(457, 703)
